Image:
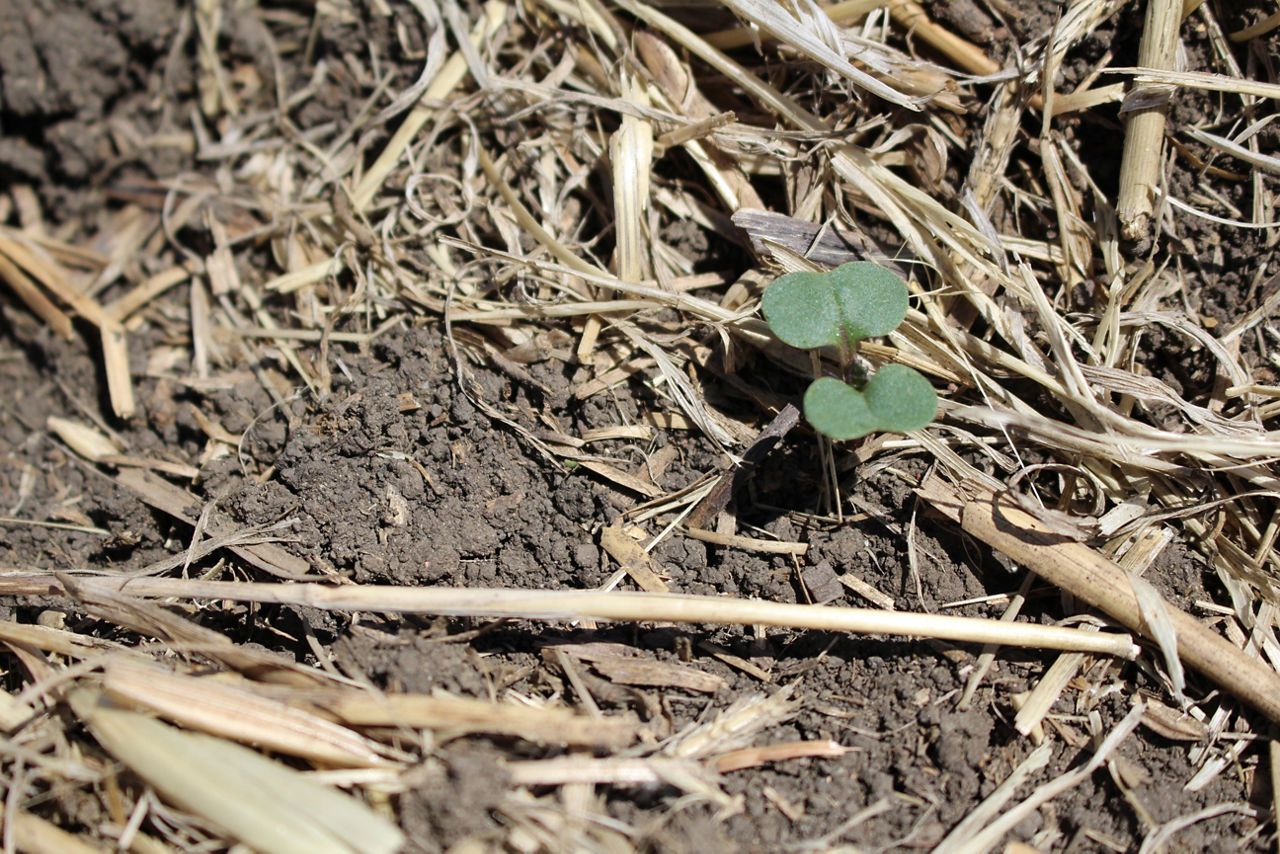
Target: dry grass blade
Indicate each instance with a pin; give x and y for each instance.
(749, 757)
(682, 774)
(991, 806)
(453, 716)
(30, 294)
(170, 499)
(734, 727)
(631, 153)
(805, 26)
(229, 712)
(991, 835)
(1046, 692)
(124, 307)
(88, 442)
(50, 639)
(779, 547)
(1253, 158)
(1261, 28)
(149, 619)
(1159, 837)
(32, 834)
(17, 259)
(633, 558)
(450, 75)
(256, 800)
(964, 54)
(675, 88)
(1202, 80)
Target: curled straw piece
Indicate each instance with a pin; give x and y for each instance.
(998, 521)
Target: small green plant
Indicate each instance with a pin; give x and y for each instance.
(838, 309)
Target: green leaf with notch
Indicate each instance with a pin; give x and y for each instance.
(898, 399)
(840, 307)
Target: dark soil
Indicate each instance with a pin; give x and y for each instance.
(398, 476)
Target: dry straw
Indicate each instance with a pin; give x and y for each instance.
(562, 605)
(523, 192)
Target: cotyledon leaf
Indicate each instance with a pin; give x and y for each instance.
(837, 308)
(897, 399)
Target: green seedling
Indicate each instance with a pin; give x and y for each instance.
(838, 309)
